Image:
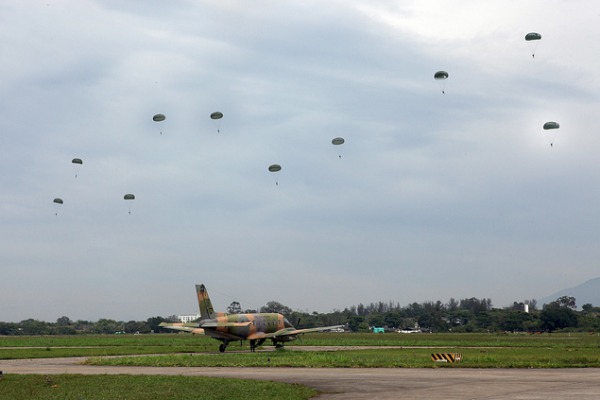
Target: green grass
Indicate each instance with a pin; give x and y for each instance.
(93, 387)
(372, 358)
(479, 350)
(12, 347)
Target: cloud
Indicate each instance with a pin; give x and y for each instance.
(435, 195)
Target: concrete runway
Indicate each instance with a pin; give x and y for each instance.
(371, 383)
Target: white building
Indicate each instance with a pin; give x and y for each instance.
(188, 318)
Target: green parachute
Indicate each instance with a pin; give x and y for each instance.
(58, 202)
(337, 142)
(217, 115)
(77, 162)
(441, 77)
(159, 118)
(551, 127)
(129, 197)
(275, 168)
(532, 39)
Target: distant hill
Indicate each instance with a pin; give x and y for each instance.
(587, 292)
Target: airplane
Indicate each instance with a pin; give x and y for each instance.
(256, 328)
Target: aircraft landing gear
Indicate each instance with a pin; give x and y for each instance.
(254, 344)
(223, 346)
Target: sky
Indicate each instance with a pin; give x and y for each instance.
(432, 196)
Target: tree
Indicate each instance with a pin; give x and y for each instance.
(556, 316)
(153, 323)
(234, 308)
(64, 321)
(567, 301)
(276, 307)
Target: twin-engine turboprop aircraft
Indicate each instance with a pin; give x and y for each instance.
(230, 327)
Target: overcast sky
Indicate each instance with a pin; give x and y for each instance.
(435, 196)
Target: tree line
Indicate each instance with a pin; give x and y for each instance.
(465, 315)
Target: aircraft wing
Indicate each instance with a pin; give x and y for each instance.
(291, 332)
(215, 325)
(310, 330)
(178, 326)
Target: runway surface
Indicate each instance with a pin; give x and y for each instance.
(370, 383)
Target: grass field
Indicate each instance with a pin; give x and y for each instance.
(478, 350)
(96, 387)
(399, 351)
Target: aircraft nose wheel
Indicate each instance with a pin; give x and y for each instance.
(222, 348)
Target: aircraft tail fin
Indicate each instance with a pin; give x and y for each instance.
(206, 309)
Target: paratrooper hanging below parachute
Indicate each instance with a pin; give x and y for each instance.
(550, 126)
(275, 168)
(532, 39)
(129, 196)
(159, 118)
(337, 142)
(77, 162)
(58, 202)
(217, 115)
(441, 77)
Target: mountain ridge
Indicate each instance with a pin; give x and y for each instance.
(584, 293)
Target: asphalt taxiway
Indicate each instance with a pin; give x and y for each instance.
(369, 383)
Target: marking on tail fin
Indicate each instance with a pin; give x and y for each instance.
(204, 303)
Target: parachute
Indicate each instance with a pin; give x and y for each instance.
(77, 162)
(159, 118)
(338, 141)
(532, 39)
(551, 126)
(129, 196)
(216, 116)
(441, 77)
(57, 203)
(275, 168)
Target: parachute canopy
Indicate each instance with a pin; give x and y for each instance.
(129, 197)
(274, 168)
(216, 115)
(158, 117)
(440, 75)
(77, 161)
(532, 39)
(551, 125)
(533, 36)
(337, 141)
(58, 201)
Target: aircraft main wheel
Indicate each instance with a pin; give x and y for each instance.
(222, 348)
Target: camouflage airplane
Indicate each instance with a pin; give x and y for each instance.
(256, 328)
